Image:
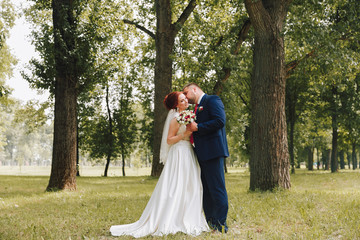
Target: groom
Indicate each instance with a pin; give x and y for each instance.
(211, 148)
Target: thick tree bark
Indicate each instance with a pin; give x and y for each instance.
(63, 169)
(269, 161)
(164, 42)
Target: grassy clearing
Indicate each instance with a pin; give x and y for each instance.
(320, 205)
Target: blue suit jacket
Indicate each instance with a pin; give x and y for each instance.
(210, 139)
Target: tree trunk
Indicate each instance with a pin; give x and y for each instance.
(269, 161)
(310, 158)
(123, 163)
(225, 167)
(326, 158)
(348, 156)
(77, 147)
(107, 165)
(334, 163)
(164, 42)
(63, 168)
(342, 159)
(111, 135)
(318, 159)
(354, 159)
(291, 138)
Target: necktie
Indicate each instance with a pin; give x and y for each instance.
(196, 106)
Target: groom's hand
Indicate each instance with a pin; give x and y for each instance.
(192, 127)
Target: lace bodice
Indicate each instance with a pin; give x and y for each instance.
(181, 130)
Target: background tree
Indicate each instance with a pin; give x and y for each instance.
(68, 64)
(27, 134)
(166, 31)
(7, 60)
(269, 161)
(67, 51)
(125, 121)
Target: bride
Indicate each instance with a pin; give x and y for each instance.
(176, 203)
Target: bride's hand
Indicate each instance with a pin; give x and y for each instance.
(192, 127)
(187, 133)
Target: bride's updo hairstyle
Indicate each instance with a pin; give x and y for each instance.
(171, 100)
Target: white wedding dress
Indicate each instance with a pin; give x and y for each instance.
(176, 203)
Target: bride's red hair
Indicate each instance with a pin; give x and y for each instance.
(171, 100)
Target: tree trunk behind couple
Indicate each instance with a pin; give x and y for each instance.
(164, 42)
(269, 161)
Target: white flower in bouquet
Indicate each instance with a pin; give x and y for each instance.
(185, 117)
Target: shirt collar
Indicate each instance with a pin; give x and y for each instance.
(200, 98)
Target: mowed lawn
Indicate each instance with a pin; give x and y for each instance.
(320, 205)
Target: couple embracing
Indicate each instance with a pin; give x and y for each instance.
(192, 181)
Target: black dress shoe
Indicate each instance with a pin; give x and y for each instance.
(223, 228)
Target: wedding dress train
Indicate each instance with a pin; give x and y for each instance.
(176, 203)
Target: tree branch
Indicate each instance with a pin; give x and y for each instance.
(242, 35)
(185, 15)
(258, 15)
(142, 28)
(293, 64)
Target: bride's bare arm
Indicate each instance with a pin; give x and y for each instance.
(173, 129)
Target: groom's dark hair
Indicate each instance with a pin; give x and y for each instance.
(191, 84)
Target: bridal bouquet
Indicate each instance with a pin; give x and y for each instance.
(185, 117)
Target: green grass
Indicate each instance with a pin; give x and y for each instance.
(320, 205)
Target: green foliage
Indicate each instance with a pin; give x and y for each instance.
(7, 19)
(7, 60)
(321, 43)
(25, 134)
(320, 40)
(125, 119)
(32, 115)
(205, 50)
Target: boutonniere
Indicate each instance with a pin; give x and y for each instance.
(201, 108)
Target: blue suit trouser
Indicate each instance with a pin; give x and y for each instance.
(215, 199)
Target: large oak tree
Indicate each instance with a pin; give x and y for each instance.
(269, 162)
(63, 168)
